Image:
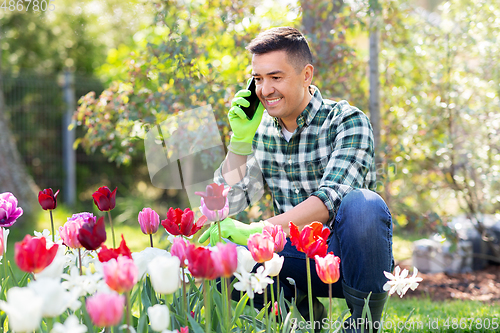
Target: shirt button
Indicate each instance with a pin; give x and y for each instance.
(297, 191)
(290, 161)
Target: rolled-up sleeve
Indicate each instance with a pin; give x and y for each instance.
(350, 160)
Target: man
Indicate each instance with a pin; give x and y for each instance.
(316, 156)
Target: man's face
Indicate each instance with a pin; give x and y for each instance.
(282, 91)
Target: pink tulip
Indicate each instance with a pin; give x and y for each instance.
(120, 274)
(70, 230)
(214, 215)
(105, 309)
(261, 247)
(277, 234)
(179, 249)
(149, 221)
(328, 268)
(9, 212)
(225, 259)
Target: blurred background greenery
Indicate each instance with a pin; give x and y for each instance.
(137, 62)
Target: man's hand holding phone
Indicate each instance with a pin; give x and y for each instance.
(243, 127)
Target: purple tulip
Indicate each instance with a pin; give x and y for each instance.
(9, 212)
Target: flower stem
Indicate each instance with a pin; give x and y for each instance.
(330, 303)
(273, 318)
(184, 297)
(309, 290)
(218, 226)
(112, 229)
(278, 297)
(151, 239)
(253, 313)
(127, 300)
(52, 225)
(80, 261)
(207, 306)
(267, 310)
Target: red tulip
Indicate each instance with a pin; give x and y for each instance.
(328, 268)
(275, 231)
(181, 222)
(92, 234)
(32, 255)
(311, 240)
(200, 263)
(107, 254)
(226, 259)
(215, 196)
(104, 198)
(47, 199)
(261, 247)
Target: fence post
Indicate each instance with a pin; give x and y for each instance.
(69, 154)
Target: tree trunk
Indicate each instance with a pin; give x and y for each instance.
(374, 102)
(13, 175)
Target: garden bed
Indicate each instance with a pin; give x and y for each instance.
(483, 285)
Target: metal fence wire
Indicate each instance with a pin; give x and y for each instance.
(35, 109)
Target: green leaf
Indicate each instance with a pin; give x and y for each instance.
(238, 311)
(195, 326)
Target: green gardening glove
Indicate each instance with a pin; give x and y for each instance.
(232, 230)
(243, 128)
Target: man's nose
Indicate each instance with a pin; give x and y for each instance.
(267, 88)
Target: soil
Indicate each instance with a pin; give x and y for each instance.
(483, 285)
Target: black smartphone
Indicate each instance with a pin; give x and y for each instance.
(253, 99)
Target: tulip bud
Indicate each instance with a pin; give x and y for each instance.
(164, 274)
(47, 199)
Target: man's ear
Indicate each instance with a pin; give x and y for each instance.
(308, 73)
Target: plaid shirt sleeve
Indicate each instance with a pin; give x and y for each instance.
(247, 191)
(350, 164)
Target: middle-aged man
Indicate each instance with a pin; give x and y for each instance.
(317, 157)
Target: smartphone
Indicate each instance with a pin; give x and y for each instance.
(253, 99)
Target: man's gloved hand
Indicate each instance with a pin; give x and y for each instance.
(233, 230)
(243, 129)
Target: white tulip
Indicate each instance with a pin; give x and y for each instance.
(273, 266)
(245, 260)
(55, 298)
(143, 258)
(159, 317)
(71, 325)
(24, 309)
(56, 267)
(164, 273)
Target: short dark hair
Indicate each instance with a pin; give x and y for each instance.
(285, 39)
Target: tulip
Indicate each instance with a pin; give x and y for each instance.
(105, 309)
(9, 212)
(273, 266)
(181, 222)
(92, 234)
(149, 221)
(214, 215)
(32, 255)
(70, 230)
(201, 264)
(54, 296)
(48, 199)
(178, 249)
(71, 325)
(261, 247)
(107, 254)
(56, 267)
(328, 268)
(311, 240)
(164, 274)
(120, 274)
(225, 259)
(215, 196)
(159, 317)
(24, 309)
(83, 215)
(276, 232)
(143, 258)
(104, 199)
(246, 263)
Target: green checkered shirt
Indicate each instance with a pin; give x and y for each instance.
(329, 154)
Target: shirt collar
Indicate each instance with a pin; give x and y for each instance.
(309, 112)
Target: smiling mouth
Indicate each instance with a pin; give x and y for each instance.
(274, 101)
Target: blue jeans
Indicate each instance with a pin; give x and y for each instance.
(361, 237)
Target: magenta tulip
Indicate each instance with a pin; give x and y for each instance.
(149, 221)
(179, 249)
(225, 258)
(9, 212)
(275, 231)
(105, 309)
